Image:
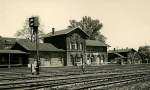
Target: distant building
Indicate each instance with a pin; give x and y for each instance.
(124, 56)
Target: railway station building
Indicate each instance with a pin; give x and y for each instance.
(79, 50)
(68, 47)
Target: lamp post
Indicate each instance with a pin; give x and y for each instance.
(33, 24)
(9, 62)
(83, 57)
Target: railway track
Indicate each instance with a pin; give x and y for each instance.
(101, 85)
(42, 82)
(72, 78)
(108, 81)
(75, 83)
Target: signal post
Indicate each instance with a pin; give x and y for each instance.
(34, 24)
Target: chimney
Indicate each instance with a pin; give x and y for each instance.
(114, 49)
(53, 31)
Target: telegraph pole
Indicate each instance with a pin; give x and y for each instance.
(34, 24)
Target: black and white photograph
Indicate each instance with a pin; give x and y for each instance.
(74, 44)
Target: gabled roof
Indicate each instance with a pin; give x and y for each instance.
(12, 52)
(95, 43)
(64, 32)
(9, 40)
(6, 43)
(121, 50)
(30, 46)
(119, 55)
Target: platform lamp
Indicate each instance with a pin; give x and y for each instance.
(34, 24)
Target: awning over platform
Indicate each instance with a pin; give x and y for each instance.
(12, 52)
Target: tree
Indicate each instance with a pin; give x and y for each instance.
(90, 26)
(144, 52)
(26, 32)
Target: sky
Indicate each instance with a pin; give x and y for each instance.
(126, 23)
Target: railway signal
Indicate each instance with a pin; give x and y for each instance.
(33, 24)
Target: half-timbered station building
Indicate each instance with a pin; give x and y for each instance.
(124, 56)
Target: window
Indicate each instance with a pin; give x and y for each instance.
(79, 59)
(7, 47)
(7, 40)
(60, 59)
(92, 58)
(50, 59)
(74, 45)
(70, 46)
(81, 46)
(78, 46)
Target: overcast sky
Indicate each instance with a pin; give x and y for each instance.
(126, 23)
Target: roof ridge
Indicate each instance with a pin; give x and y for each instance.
(20, 42)
(64, 31)
(31, 46)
